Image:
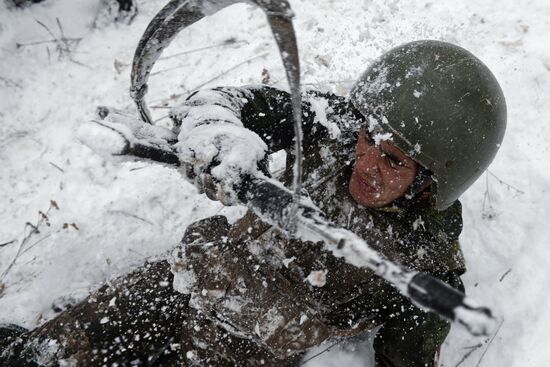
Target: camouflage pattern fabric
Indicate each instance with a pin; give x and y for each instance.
(249, 295)
(254, 278)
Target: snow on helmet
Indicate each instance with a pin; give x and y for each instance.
(441, 105)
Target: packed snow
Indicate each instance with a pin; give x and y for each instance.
(71, 219)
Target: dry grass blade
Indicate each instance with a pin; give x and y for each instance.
(35, 229)
(46, 28)
(225, 72)
(7, 243)
(226, 43)
(469, 353)
(62, 43)
(489, 344)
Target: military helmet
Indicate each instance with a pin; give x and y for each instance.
(441, 105)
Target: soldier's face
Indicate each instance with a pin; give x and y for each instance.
(382, 172)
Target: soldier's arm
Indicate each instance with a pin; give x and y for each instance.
(266, 111)
(115, 133)
(263, 110)
(220, 135)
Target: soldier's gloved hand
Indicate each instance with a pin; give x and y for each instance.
(115, 133)
(221, 155)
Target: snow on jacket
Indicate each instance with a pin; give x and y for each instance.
(289, 295)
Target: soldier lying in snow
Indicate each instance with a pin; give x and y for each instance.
(389, 164)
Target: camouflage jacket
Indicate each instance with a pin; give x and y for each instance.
(289, 295)
(251, 296)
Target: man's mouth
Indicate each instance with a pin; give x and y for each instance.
(364, 184)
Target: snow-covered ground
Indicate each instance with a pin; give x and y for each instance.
(112, 216)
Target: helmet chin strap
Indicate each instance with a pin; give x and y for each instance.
(423, 176)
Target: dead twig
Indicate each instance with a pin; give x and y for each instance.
(168, 69)
(7, 243)
(487, 210)
(469, 353)
(81, 64)
(131, 215)
(489, 344)
(37, 43)
(508, 186)
(505, 274)
(227, 42)
(36, 243)
(62, 43)
(56, 166)
(183, 66)
(64, 227)
(60, 29)
(119, 66)
(35, 229)
(28, 248)
(47, 30)
(247, 61)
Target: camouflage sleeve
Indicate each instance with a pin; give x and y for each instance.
(434, 240)
(269, 114)
(266, 111)
(446, 227)
(240, 292)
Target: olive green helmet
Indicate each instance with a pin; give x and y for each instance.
(441, 105)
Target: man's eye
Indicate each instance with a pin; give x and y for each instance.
(394, 161)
